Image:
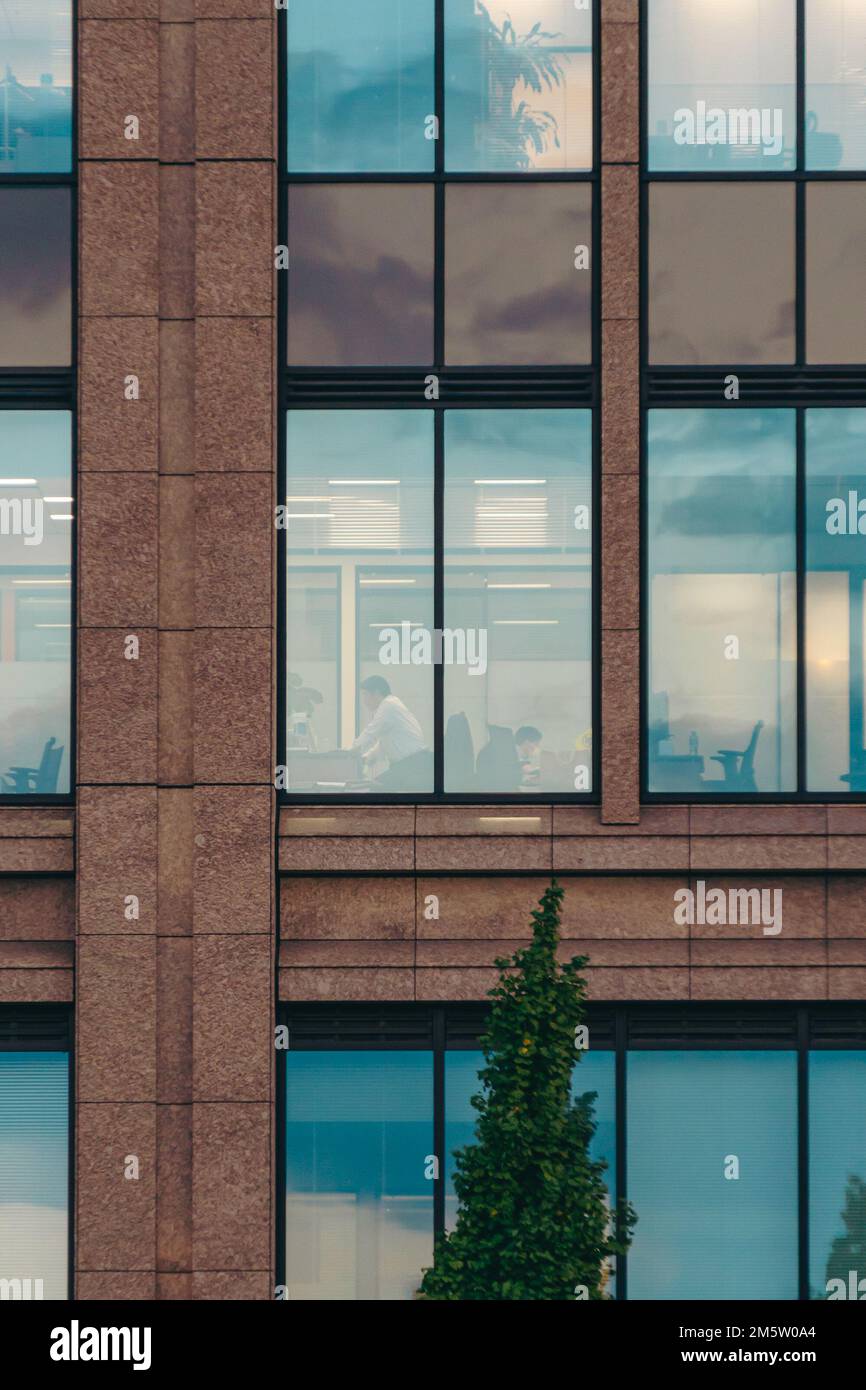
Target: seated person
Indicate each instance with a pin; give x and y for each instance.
(527, 741)
(395, 734)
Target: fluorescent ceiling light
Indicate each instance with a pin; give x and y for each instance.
(17, 482)
(28, 583)
(59, 499)
(60, 516)
(510, 482)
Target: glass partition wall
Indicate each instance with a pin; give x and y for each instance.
(754, 383)
(437, 525)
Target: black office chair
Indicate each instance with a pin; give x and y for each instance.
(31, 780)
(498, 766)
(459, 755)
(738, 767)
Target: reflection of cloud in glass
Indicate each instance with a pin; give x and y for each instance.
(35, 271)
(34, 1159)
(361, 292)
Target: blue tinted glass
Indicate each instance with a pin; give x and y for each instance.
(701, 1234)
(35, 601)
(595, 1072)
(518, 84)
(359, 583)
(518, 590)
(722, 85)
(36, 82)
(360, 86)
(722, 572)
(835, 600)
(359, 1209)
(835, 84)
(837, 1175)
(34, 1171)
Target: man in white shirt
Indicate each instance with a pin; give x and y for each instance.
(395, 734)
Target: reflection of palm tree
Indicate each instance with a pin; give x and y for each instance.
(512, 59)
(849, 1251)
(9, 83)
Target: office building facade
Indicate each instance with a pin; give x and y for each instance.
(431, 462)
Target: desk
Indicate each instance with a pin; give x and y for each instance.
(340, 768)
(677, 772)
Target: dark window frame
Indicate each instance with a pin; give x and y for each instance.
(798, 386)
(48, 1028)
(55, 388)
(479, 387)
(618, 1027)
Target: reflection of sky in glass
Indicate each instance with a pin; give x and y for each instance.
(360, 86)
(35, 277)
(359, 1210)
(35, 86)
(518, 85)
(35, 592)
(722, 557)
(700, 1235)
(34, 1168)
(835, 84)
(835, 607)
(731, 56)
(595, 1072)
(837, 1153)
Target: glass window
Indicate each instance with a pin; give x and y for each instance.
(518, 286)
(596, 1072)
(835, 600)
(836, 272)
(35, 276)
(700, 312)
(837, 1174)
(35, 601)
(359, 583)
(518, 85)
(34, 1173)
(360, 86)
(712, 1174)
(721, 532)
(835, 84)
(36, 101)
(722, 85)
(361, 276)
(359, 1208)
(518, 600)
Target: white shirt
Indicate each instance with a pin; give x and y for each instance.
(395, 729)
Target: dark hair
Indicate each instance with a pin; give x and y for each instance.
(377, 685)
(527, 733)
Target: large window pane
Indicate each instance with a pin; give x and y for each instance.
(35, 276)
(35, 601)
(702, 1234)
(835, 84)
(359, 1208)
(722, 575)
(836, 272)
(518, 600)
(837, 1173)
(835, 600)
(360, 86)
(36, 97)
(518, 286)
(34, 1172)
(518, 85)
(595, 1072)
(359, 583)
(722, 85)
(721, 285)
(361, 277)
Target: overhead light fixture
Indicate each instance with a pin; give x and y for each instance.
(510, 482)
(58, 499)
(60, 516)
(29, 583)
(17, 482)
